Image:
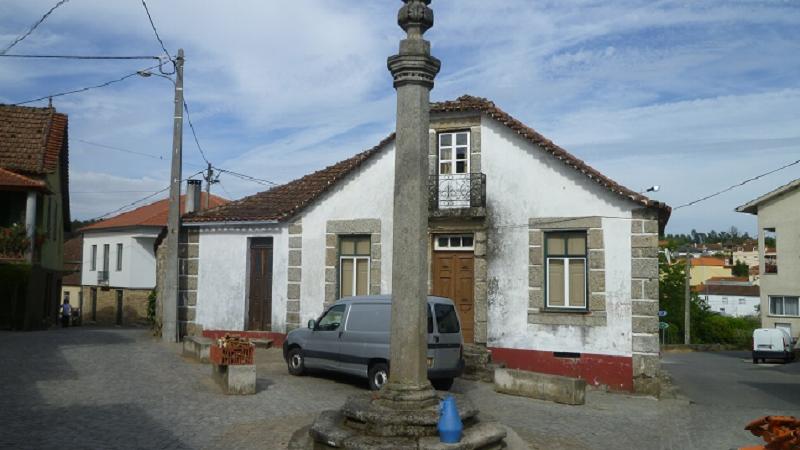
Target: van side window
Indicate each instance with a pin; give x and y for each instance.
(446, 318)
(332, 319)
(430, 321)
(369, 318)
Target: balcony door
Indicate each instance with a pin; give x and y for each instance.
(454, 178)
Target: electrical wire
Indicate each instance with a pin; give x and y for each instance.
(133, 152)
(33, 27)
(163, 47)
(88, 88)
(134, 203)
(194, 133)
(247, 177)
(91, 57)
(742, 183)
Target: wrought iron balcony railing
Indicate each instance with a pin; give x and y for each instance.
(102, 277)
(457, 191)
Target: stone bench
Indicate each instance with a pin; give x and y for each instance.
(197, 347)
(235, 379)
(570, 391)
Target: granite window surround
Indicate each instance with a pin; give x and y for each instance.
(595, 312)
(356, 227)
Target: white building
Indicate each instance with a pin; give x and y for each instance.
(552, 265)
(731, 299)
(118, 270)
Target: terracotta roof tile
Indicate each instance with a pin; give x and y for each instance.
(12, 180)
(31, 139)
(727, 289)
(152, 215)
(282, 202)
(73, 257)
(708, 261)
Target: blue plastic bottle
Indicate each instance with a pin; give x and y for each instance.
(450, 426)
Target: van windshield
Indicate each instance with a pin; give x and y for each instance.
(446, 318)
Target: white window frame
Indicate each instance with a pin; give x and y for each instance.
(453, 159)
(783, 300)
(566, 260)
(94, 258)
(355, 273)
(119, 256)
(450, 247)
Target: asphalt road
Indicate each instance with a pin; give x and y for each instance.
(727, 390)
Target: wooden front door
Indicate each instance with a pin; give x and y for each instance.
(453, 278)
(259, 315)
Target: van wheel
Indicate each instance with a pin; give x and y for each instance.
(442, 384)
(378, 376)
(295, 361)
(755, 360)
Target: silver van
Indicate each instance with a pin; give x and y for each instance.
(352, 336)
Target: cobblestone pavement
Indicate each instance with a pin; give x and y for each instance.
(121, 388)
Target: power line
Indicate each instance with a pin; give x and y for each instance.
(248, 177)
(33, 27)
(107, 192)
(148, 197)
(155, 31)
(149, 155)
(91, 57)
(75, 91)
(729, 188)
(194, 133)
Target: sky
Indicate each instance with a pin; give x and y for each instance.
(693, 96)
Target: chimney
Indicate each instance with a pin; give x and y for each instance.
(193, 188)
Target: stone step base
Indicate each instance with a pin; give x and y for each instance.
(484, 373)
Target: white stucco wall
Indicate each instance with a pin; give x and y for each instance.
(366, 194)
(524, 182)
(222, 289)
(138, 258)
(731, 305)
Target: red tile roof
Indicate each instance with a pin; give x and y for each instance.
(713, 280)
(727, 289)
(12, 180)
(152, 215)
(31, 139)
(708, 261)
(283, 202)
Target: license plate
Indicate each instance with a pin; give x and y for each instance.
(430, 363)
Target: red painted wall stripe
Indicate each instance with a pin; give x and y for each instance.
(616, 372)
(277, 338)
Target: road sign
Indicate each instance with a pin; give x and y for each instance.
(662, 314)
(663, 325)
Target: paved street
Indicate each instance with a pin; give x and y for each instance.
(727, 391)
(120, 388)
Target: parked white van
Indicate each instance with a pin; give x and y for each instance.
(772, 343)
(352, 337)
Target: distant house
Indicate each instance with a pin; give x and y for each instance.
(119, 261)
(779, 221)
(552, 265)
(706, 267)
(735, 297)
(34, 214)
(71, 282)
(747, 253)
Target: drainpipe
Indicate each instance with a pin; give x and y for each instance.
(30, 223)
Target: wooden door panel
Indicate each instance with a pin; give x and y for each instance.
(259, 315)
(453, 277)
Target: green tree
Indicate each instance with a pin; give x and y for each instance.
(740, 269)
(672, 293)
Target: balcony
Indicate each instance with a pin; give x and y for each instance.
(457, 195)
(102, 278)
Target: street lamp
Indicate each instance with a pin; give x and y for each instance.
(654, 188)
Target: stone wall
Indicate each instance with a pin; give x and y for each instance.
(295, 276)
(644, 295)
(336, 228)
(188, 262)
(134, 306)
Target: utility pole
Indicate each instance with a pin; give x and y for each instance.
(687, 306)
(209, 177)
(169, 325)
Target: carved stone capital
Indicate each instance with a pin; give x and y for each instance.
(414, 69)
(415, 14)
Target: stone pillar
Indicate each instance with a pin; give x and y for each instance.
(413, 70)
(30, 223)
(644, 301)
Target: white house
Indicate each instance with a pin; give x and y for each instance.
(731, 299)
(552, 265)
(779, 220)
(118, 269)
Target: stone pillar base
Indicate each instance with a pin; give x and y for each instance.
(363, 424)
(403, 397)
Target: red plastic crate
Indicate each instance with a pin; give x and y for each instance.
(232, 355)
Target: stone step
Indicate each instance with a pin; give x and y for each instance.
(197, 347)
(262, 343)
